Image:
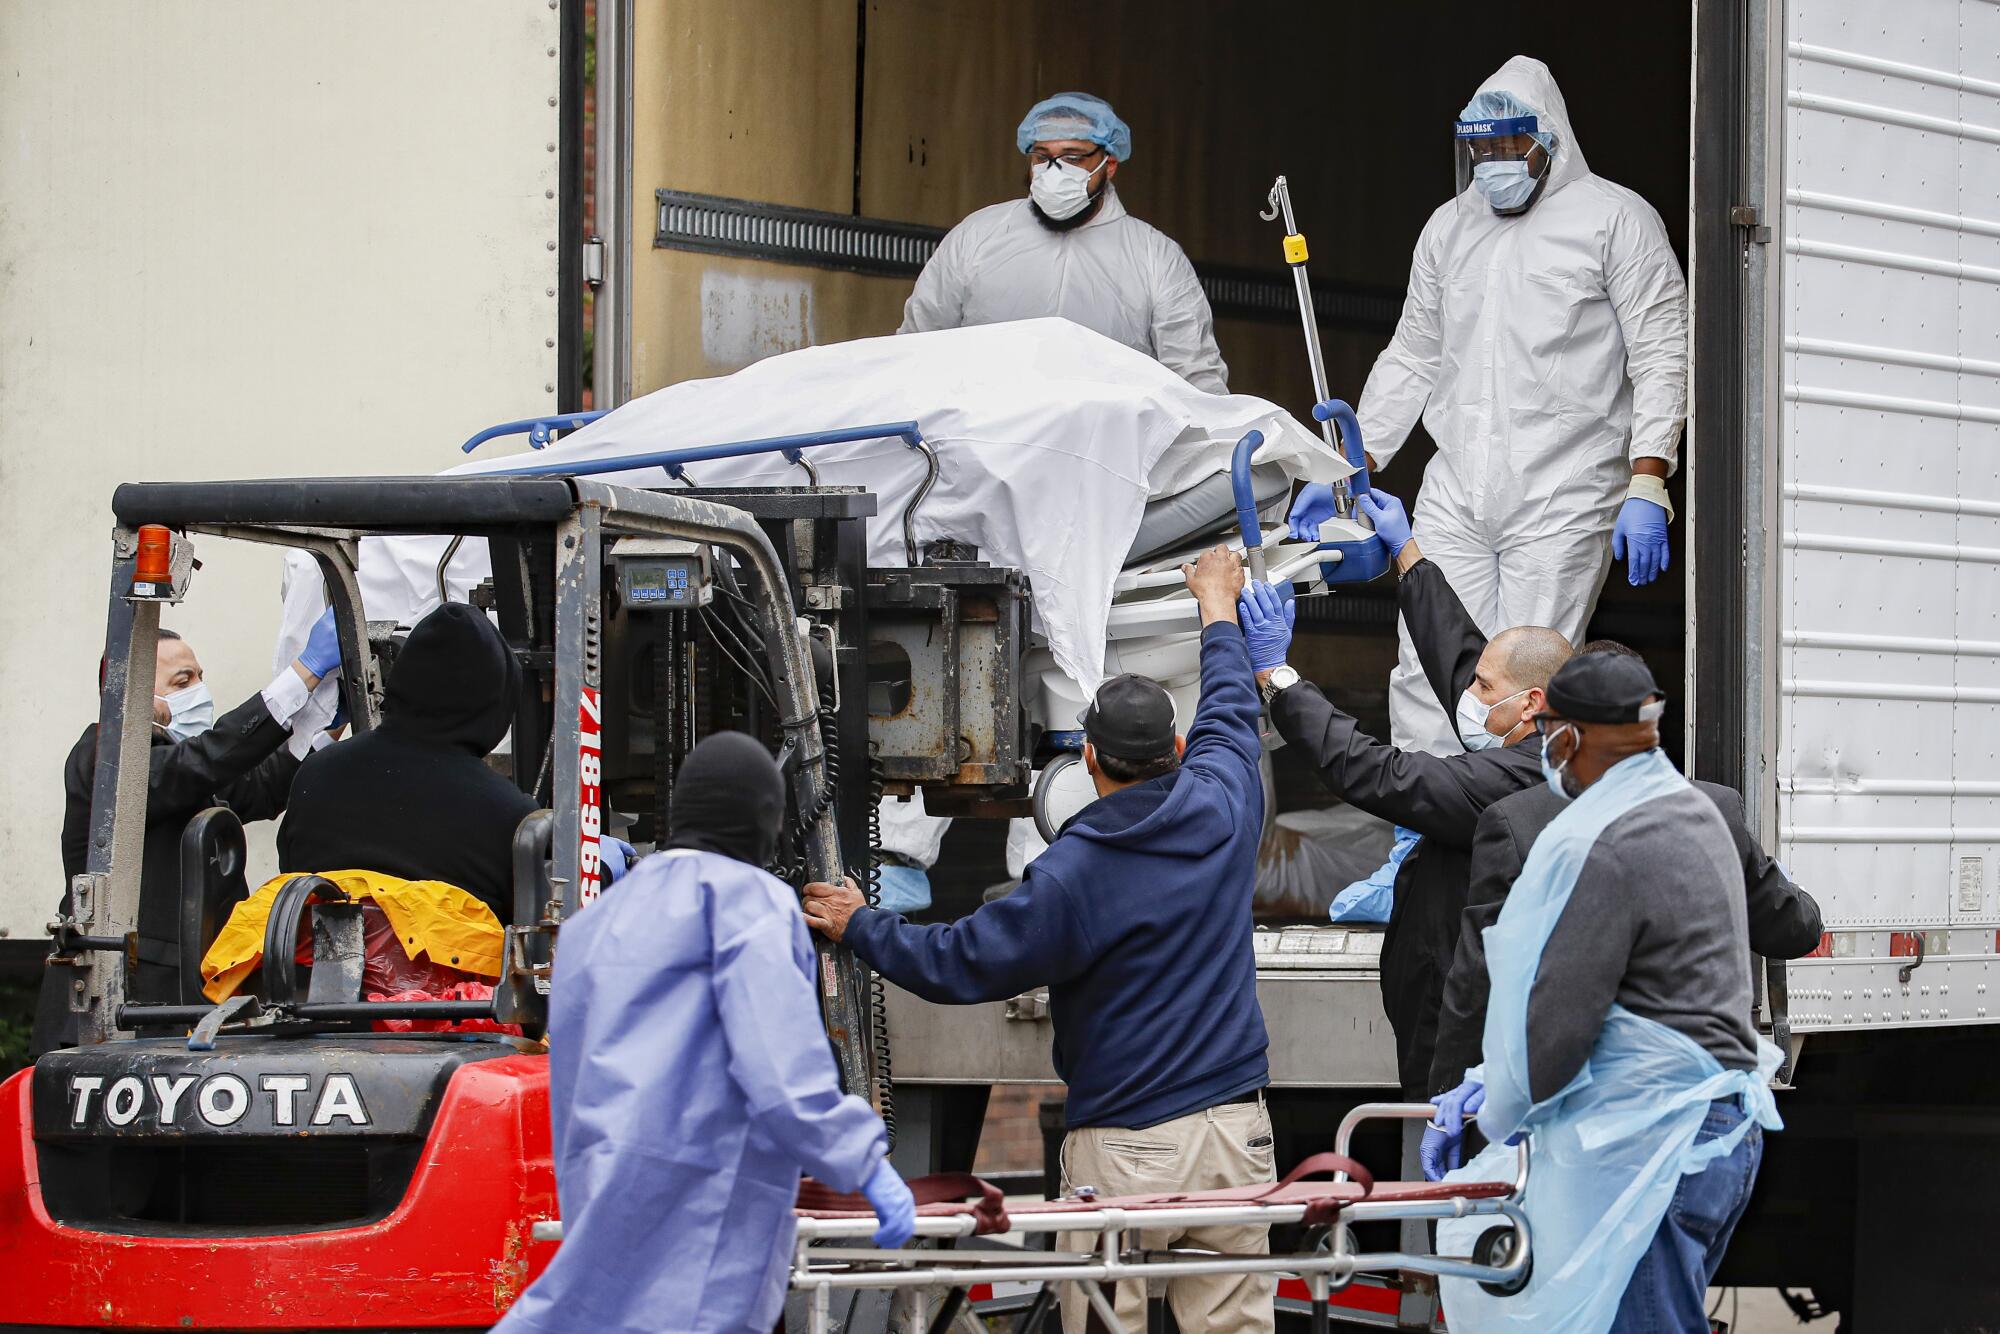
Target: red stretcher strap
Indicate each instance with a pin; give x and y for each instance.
(1330, 1163)
(989, 1203)
(1322, 1211)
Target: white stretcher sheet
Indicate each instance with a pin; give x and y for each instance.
(1050, 440)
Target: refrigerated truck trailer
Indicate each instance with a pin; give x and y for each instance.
(1829, 168)
(1841, 649)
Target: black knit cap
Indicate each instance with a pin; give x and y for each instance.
(1605, 688)
(729, 799)
(1132, 718)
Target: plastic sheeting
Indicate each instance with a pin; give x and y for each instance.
(1050, 440)
(1307, 857)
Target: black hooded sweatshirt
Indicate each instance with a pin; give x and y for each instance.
(414, 798)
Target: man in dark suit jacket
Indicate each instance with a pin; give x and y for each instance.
(1784, 920)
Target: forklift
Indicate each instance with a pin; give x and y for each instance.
(278, 1162)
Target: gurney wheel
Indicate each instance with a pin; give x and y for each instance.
(1496, 1247)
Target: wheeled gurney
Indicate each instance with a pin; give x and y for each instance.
(827, 1257)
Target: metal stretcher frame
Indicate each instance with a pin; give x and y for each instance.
(817, 1270)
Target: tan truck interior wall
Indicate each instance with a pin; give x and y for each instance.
(753, 99)
(1354, 103)
(756, 99)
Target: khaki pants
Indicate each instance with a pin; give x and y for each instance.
(1221, 1147)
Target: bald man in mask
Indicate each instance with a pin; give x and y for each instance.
(690, 1082)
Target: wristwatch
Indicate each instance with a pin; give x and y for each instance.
(1283, 677)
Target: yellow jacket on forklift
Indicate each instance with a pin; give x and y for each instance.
(431, 919)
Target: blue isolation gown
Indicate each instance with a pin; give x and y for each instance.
(690, 1083)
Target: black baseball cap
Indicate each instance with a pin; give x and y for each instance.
(1132, 718)
(1605, 688)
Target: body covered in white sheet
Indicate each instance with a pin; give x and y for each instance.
(1050, 440)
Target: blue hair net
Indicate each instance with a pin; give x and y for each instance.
(1075, 116)
(1499, 104)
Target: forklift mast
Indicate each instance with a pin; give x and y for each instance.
(626, 668)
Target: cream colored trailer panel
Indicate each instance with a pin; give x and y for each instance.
(240, 240)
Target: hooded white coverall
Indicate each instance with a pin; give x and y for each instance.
(1114, 274)
(1546, 351)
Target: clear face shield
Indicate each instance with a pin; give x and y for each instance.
(1498, 163)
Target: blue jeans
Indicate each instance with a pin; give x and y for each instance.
(1668, 1293)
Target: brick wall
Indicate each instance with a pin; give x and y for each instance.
(1012, 1138)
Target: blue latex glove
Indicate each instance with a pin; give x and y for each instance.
(615, 856)
(1370, 900)
(1444, 1137)
(895, 1208)
(1640, 540)
(1313, 507)
(1266, 615)
(322, 651)
(1392, 523)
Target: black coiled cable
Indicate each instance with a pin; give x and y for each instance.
(878, 1000)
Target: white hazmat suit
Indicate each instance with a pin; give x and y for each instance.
(1114, 274)
(1545, 351)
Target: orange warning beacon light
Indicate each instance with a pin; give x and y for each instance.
(153, 566)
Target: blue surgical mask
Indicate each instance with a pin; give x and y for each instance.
(1472, 715)
(190, 711)
(1506, 185)
(1553, 774)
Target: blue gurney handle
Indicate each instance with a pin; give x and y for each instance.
(1336, 411)
(539, 429)
(1239, 486)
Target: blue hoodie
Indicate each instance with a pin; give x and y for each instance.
(1137, 919)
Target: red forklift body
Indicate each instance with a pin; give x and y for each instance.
(349, 1182)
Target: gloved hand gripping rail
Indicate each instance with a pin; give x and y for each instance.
(1350, 556)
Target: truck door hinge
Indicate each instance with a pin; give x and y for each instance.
(593, 262)
(1745, 216)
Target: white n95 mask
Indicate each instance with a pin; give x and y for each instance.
(190, 711)
(1060, 189)
(1472, 715)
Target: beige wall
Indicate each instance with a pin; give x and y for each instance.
(242, 240)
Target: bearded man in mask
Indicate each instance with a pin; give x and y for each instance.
(1070, 249)
(244, 760)
(690, 1082)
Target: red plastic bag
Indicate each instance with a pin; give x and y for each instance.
(388, 973)
(462, 990)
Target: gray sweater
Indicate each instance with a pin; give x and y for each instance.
(1656, 923)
